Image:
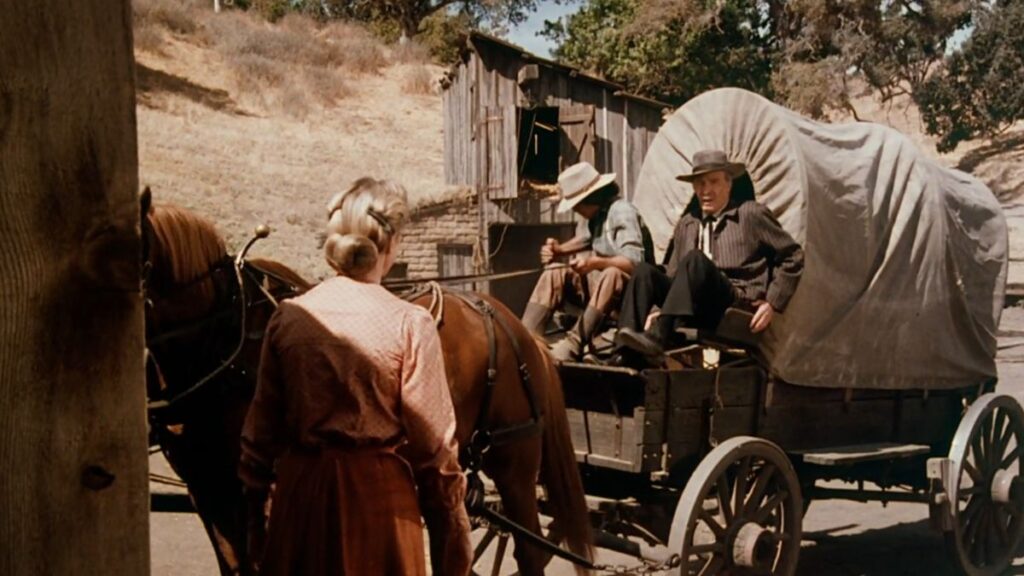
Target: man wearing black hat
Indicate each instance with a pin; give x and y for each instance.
(726, 251)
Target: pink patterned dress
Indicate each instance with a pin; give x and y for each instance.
(353, 423)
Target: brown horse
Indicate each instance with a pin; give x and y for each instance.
(204, 324)
(514, 466)
(192, 328)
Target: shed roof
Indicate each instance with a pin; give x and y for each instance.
(476, 40)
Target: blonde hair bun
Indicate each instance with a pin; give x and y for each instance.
(353, 255)
(362, 224)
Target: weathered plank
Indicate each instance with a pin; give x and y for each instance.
(858, 453)
(73, 496)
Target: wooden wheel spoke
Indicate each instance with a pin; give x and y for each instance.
(988, 436)
(764, 476)
(713, 567)
(978, 453)
(763, 512)
(972, 510)
(1000, 520)
(991, 550)
(712, 523)
(1001, 433)
(481, 547)
(973, 542)
(712, 548)
(499, 556)
(740, 493)
(1009, 458)
(974, 473)
(724, 499)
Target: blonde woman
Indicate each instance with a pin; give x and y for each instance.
(350, 374)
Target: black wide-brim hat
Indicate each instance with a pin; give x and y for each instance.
(712, 161)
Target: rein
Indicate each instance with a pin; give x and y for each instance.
(468, 278)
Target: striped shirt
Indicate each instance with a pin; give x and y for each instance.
(749, 246)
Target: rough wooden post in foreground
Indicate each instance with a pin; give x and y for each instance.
(73, 464)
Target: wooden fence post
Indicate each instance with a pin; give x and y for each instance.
(73, 460)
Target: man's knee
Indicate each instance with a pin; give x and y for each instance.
(644, 274)
(695, 259)
(550, 283)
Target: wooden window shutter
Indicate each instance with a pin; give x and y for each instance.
(576, 124)
(500, 173)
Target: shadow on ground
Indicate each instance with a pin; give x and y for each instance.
(903, 549)
(149, 82)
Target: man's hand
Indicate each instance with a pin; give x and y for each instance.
(762, 317)
(549, 250)
(650, 320)
(583, 265)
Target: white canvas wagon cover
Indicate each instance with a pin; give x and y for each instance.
(906, 259)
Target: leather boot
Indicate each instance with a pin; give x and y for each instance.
(536, 317)
(570, 348)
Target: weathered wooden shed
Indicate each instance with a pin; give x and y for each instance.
(513, 121)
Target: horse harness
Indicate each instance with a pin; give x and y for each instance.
(231, 288)
(485, 436)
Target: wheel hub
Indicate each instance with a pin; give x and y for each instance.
(1002, 486)
(752, 547)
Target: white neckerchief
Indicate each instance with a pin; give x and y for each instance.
(707, 227)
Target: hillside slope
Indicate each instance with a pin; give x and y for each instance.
(248, 122)
(224, 129)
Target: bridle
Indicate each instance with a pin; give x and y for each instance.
(238, 267)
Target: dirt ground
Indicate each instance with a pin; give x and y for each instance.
(840, 538)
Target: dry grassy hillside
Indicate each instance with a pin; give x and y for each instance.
(249, 122)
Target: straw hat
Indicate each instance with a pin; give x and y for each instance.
(711, 161)
(577, 182)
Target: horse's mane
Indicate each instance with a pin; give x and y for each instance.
(186, 245)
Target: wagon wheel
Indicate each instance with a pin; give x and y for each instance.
(494, 536)
(740, 512)
(987, 455)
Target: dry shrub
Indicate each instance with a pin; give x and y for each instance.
(148, 38)
(293, 101)
(255, 74)
(362, 51)
(418, 80)
(326, 86)
(298, 23)
(174, 15)
(410, 52)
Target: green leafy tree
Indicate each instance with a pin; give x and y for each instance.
(409, 15)
(801, 52)
(669, 50)
(978, 89)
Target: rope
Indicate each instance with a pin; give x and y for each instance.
(468, 278)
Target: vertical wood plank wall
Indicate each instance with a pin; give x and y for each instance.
(479, 153)
(73, 488)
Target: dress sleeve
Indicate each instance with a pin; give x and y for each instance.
(429, 421)
(263, 431)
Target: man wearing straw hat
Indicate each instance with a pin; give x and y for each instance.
(614, 233)
(727, 251)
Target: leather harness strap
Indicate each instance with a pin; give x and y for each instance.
(484, 437)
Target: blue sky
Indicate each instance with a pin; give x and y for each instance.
(525, 34)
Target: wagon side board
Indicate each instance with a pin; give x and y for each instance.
(666, 421)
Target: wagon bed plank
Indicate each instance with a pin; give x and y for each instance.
(848, 455)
